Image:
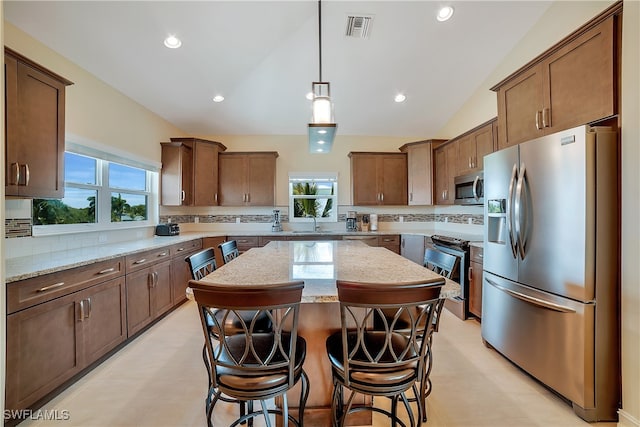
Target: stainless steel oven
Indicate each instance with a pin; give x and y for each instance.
(469, 189)
(460, 249)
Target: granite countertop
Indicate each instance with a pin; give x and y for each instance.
(25, 267)
(320, 264)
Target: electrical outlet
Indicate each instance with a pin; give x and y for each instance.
(470, 221)
(401, 218)
(196, 219)
(446, 219)
(237, 220)
(102, 238)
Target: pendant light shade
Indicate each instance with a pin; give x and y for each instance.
(322, 128)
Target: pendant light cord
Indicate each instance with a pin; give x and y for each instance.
(320, 39)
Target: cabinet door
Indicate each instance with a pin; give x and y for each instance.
(232, 191)
(205, 174)
(475, 289)
(104, 324)
(466, 147)
(261, 179)
(445, 164)
(364, 179)
(35, 141)
(520, 103)
(161, 290)
(483, 142)
(139, 305)
(43, 350)
(177, 175)
(419, 174)
(440, 165)
(392, 179)
(579, 79)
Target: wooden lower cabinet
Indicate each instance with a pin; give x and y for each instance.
(49, 343)
(475, 282)
(148, 295)
(180, 271)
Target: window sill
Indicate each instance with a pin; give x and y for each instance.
(62, 229)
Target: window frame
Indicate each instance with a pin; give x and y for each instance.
(313, 177)
(103, 198)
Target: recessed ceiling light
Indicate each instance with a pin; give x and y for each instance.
(322, 131)
(319, 150)
(445, 13)
(218, 98)
(400, 97)
(320, 142)
(172, 42)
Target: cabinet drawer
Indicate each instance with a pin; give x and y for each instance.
(144, 259)
(185, 248)
(245, 242)
(476, 254)
(27, 293)
(390, 240)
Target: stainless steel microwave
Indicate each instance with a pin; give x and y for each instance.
(469, 189)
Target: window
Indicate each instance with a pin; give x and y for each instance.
(313, 195)
(98, 193)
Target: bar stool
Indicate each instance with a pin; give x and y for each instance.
(229, 250)
(254, 365)
(202, 263)
(386, 359)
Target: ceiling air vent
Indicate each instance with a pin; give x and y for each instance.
(359, 26)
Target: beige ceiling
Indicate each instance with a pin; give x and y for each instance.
(263, 55)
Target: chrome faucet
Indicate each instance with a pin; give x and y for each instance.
(315, 224)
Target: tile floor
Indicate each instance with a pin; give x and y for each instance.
(158, 380)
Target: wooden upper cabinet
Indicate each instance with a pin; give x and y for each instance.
(190, 172)
(445, 157)
(573, 83)
(247, 178)
(420, 171)
(481, 143)
(378, 178)
(34, 126)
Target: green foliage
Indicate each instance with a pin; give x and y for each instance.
(309, 207)
(47, 212)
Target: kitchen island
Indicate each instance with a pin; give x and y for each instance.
(319, 264)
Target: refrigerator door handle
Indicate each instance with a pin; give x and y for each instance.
(512, 240)
(533, 300)
(518, 211)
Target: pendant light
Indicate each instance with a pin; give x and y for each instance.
(322, 129)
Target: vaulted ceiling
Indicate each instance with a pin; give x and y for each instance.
(263, 55)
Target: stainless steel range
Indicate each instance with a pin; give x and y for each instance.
(458, 247)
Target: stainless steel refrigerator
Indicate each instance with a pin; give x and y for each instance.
(551, 284)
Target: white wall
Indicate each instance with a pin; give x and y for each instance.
(630, 415)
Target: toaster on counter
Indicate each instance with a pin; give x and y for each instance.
(169, 229)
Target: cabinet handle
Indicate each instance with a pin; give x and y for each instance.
(182, 195)
(48, 288)
(141, 261)
(382, 197)
(26, 174)
(89, 305)
(82, 310)
(546, 117)
(215, 197)
(150, 280)
(248, 197)
(15, 174)
(538, 118)
(470, 273)
(162, 254)
(180, 249)
(107, 270)
(411, 197)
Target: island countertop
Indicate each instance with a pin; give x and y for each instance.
(320, 264)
